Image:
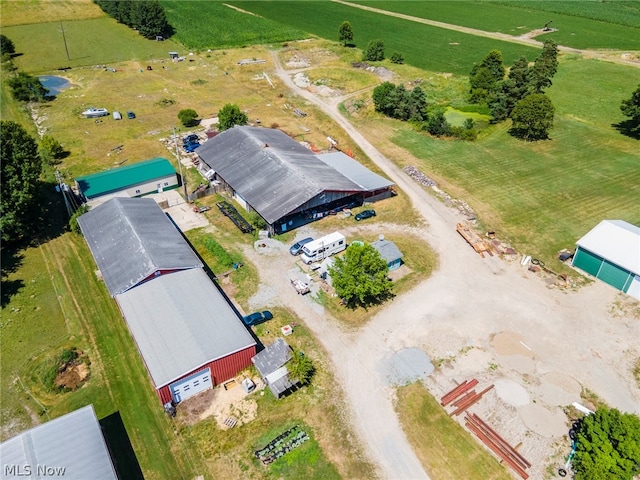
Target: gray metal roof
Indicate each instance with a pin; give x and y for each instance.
(355, 171)
(73, 442)
(272, 357)
(181, 321)
(130, 239)
(270, 170)
(387, 250)
(617, 241)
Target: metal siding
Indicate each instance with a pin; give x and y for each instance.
(613, 275)
(587, 261)
(221, 370)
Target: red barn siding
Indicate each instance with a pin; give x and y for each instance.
(221, 370)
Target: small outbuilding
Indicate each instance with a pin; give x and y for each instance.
(142, 178)
(611, 253)
(389, 252)
(71, 446)
(271, 363)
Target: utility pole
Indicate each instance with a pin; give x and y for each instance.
(182, 178)
(64, 196)
(64, 39)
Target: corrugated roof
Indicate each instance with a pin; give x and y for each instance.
(73, 442)
(120, 178)
(130, 239)
(617, 241)
(387, 250)
(355, 171)
(272, 357)
(271, 171)
(181, 321)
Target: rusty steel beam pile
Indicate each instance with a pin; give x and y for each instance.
(456, 392)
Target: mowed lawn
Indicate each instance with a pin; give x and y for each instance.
(95, 41)
(543, 196)
(580, 25)
(423, 46)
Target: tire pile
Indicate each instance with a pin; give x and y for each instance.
(281, 445)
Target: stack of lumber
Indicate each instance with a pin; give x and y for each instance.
(473, 239)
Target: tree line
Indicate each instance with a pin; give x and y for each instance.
(145, 16)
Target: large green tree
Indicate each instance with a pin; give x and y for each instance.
(532, 117)
(360, 276)
(27, 88)
(345, 34)
(230, 115)
(21, 167)
(300, 368)
(631, 108)
(544, 68)
(608, 446)
(485, 75)
(149, 19)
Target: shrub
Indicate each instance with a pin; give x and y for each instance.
(396, 57)
(73, 221)
(188, 117)
(50, 149)
(374, 51)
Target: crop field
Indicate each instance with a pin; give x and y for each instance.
(219, 26)
(584, 25)
(542, 196)
(423, 46)
(22, 12)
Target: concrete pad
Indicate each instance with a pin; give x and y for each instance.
(510, 343)
(180, 211)
(511, 392)
(544, 422)
(518, 363)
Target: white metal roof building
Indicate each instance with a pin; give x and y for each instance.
(285, 183)
(132, 240)
(70, 447)
(189, 336)
(611, 253)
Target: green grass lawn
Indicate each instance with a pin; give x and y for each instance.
(90, 42)
(423, 46)
(580, 24)
(544, 196)
(445, 449)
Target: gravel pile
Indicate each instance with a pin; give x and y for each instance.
(406, 366)
(418, 176)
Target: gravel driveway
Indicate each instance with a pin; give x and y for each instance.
(483, 312)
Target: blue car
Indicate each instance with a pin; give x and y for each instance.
(257, 318)
(365, 214)
(296, 248)
(190, 147)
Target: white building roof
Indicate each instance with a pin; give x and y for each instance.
(73, 442)
(617, 241)
(181, 321)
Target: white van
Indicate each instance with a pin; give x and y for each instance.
(323, 247)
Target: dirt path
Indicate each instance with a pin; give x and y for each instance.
(465, 304)
(523, 39)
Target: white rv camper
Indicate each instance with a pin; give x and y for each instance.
(323, 247)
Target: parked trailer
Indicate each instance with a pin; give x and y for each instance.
(323, 247)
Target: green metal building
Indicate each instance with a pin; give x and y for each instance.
(136, 180)
(611, 253)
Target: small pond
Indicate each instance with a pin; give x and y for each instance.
(54, 84)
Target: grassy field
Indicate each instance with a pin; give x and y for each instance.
(24, 12)
(422, 46)
(541, 196)
(225, 26)
(583, 25)
(451, 454)
(95, 41)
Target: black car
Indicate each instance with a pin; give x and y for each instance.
(257, 318)
(365, 214)
(131, 115)
(192, 138)
(296, 248)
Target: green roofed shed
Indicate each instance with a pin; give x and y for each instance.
(142, 178)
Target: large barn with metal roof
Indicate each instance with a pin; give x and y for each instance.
(611, 253)
(288, 185)
(187, 332)
(71, 446)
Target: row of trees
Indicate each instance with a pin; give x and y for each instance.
(145, 16)
(228, 116)
(374, 52)
(518, 95)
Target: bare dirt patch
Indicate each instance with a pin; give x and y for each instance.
(73, 375)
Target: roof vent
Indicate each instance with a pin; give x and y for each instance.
(266, 145)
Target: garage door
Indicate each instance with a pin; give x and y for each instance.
(613, 275)
(587, 261)
(191, 386)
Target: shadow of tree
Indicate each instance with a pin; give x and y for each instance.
(629, 128)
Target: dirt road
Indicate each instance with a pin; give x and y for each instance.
(465, 304)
